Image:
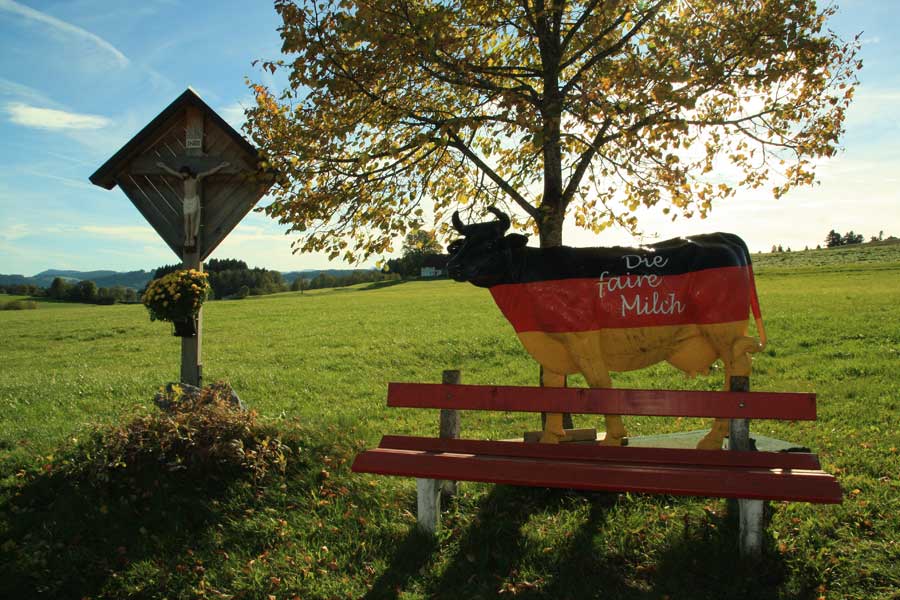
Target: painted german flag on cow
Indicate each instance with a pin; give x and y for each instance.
(595, 310)
(700, 280)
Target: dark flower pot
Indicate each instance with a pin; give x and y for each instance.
(185, 328)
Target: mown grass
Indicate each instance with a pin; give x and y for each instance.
(886, 254)
(316, 366)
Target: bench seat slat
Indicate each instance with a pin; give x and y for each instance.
(750, 483)
(617, 454)
(661, 403)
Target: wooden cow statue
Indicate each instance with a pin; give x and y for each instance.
(595, 310)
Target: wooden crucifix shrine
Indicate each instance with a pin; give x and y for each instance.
(193, 177)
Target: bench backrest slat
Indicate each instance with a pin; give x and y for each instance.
(660, 403)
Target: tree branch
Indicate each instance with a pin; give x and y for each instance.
(611, 50)
(487, 170)
(584, 162)
(579, 23)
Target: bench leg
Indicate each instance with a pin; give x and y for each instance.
(750, 512)
(428, 497)
(751, 521)
(450, 425)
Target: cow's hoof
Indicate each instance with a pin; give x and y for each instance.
(614, 441)
(710, 443)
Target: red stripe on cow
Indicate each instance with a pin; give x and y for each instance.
(719, 295)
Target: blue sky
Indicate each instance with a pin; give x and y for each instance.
(78, 78)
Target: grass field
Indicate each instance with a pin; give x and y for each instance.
(316, 366)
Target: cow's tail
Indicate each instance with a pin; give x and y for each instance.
(754, 308)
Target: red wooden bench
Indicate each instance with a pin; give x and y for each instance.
(746, 475)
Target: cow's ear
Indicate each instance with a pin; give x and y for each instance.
(516, 240)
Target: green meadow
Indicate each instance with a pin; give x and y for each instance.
(315, 366)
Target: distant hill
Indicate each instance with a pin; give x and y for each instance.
(132, 279)
(137, 279)
(15, 280)
(291, 276)
(45, 278)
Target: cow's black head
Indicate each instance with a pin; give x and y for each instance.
(484, 255)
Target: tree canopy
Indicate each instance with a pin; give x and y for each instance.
(399, 111)
(417, 247)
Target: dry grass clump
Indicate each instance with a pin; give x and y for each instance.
(19, 305)
(206, 433)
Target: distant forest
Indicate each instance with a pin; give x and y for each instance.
(229, 278)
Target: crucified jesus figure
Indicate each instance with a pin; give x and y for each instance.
(191, 202)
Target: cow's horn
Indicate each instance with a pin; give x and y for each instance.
(458, 224)
(502, 218)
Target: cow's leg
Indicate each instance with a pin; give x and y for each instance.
(615, 428)
(587, 352)
(738, 365)
(598, 377)
(553, 424)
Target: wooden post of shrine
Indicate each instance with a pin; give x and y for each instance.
(191, 357)
(193, 177)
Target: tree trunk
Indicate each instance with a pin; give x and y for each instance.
(552, 209)
(550, 230)
(551, 226)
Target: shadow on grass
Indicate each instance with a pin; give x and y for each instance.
(700, 560)
(413, 553)
(491, 545)
(493, 550)
(488, 548)
(578, 572)
(492, 555)
(66, 538)
(705, 562)
(377, 285)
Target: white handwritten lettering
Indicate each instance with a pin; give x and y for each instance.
(652, 305)
(654, 261)
(627, 282)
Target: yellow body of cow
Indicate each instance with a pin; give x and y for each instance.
(690, 348)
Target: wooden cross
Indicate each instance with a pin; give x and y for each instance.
(193, 177)
(191, 198)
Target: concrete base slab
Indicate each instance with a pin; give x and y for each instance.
(681, 439)
(689, 439)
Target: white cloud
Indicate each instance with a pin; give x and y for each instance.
(873, 106)
(856, 193)
(61, 26)
(48, 118)
(11, 233)
(67, 181)
(71, 159)
(136, 233)
(261, 243)
(249, 233)
(21, 91)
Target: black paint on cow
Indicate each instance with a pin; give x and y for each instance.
(485, 257)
